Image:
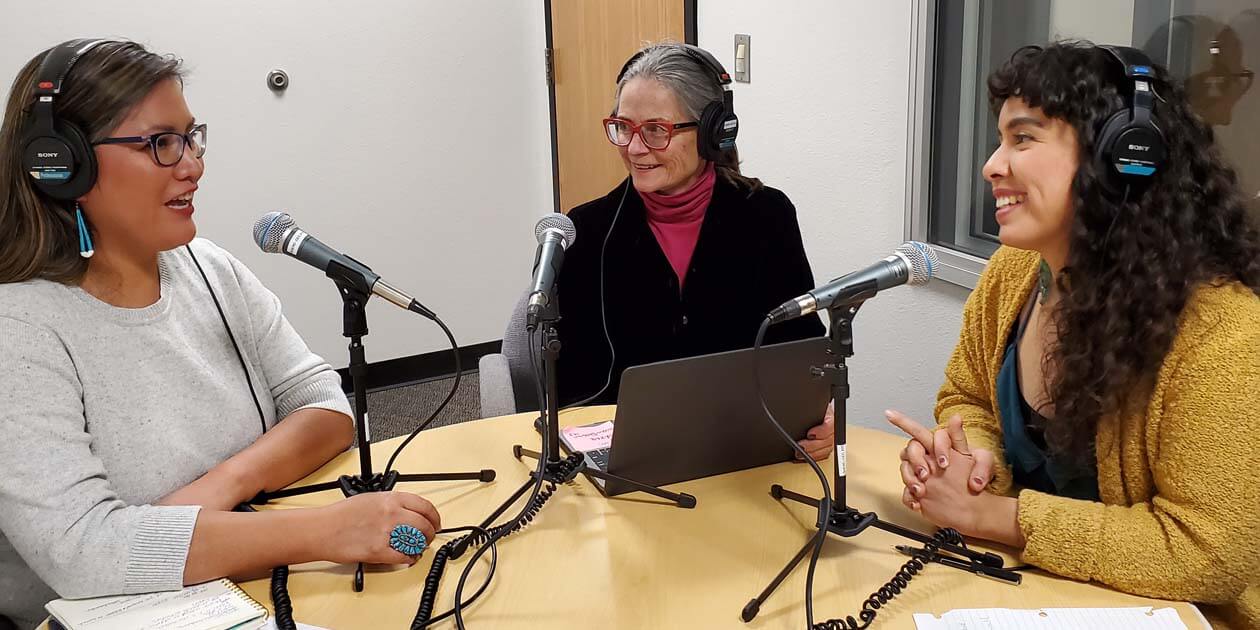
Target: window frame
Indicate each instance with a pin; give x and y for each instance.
(957, 267)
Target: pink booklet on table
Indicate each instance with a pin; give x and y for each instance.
(588, 437)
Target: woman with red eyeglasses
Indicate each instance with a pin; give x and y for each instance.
(686, 256)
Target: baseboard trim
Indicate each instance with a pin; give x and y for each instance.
(419, 367)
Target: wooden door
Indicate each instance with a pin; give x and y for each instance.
(589, 40)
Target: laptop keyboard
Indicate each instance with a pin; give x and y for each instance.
(599, 457)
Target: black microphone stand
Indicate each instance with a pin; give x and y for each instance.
(841, 519)
(354, 297)
(558, 470)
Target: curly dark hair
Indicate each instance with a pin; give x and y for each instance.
(1133, 261)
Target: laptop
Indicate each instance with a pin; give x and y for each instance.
(700, 416)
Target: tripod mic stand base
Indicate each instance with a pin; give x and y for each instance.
(848, 522)
(681, 499)
(351, 485)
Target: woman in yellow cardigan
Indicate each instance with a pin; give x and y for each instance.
(1101, 411)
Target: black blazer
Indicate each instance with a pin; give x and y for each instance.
(749, 259)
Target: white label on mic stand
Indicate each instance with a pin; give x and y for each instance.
(841, 465)
(367, 429)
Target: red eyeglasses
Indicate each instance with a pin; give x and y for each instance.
(656, 134)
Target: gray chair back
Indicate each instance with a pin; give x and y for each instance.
(506, 380)
(516, 348)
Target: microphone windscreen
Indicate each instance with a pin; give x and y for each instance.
(923, 261)
(269, 231)
(556, 221)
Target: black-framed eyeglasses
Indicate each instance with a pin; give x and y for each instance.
(167, 146)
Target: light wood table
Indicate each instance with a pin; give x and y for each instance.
(635, 562)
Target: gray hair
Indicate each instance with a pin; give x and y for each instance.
(694, 85)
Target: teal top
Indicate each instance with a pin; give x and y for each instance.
(1033, 465)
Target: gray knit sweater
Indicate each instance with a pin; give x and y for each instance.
(105, 410)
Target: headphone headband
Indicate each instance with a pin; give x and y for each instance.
(57, 155)
(1135, 62)
(718, 123)
(58, 63)
(1130, 146)
(700, 55)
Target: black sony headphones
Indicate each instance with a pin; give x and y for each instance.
(56, 154)
(718, 123)
(1130, 147)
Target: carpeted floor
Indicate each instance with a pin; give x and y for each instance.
(398, 411)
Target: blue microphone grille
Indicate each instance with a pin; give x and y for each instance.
(269, 231)
(923, 261)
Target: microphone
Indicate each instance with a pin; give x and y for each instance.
(912, 263)
(278, 233)
(555, 234)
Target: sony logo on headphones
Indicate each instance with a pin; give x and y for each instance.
(47, 155)
(1138, 147)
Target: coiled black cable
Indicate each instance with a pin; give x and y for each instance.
(903, 576)
(824, 504)
(279, 587)
(428, 596)
(893, 587)
(425, 609)
(280, 598)
(539, 475)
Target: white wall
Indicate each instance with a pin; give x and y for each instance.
(825, 120)
(414, 137)
(1099, 21)
(448, 217)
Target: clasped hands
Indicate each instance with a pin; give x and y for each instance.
(945, 481)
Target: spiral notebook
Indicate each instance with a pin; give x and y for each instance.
(218, 605)
(1136, 618)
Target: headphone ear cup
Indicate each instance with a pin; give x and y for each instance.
(85, 159)
(710, 128)
(718, 128)
(1104, 150)
(82, 162)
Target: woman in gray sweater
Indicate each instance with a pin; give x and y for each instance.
(127, 426)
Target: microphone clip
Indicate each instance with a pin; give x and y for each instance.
(541, 308)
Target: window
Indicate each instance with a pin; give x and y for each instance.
(1212, 45)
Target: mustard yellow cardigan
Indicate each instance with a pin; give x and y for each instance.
(1178, 469)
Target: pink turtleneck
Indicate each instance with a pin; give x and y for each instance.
(676, 220)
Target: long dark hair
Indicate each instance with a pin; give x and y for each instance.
(1133, 262)
(39, 236)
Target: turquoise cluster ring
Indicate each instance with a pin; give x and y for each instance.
(407, 540)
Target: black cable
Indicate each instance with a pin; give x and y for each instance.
(480, 536)
(249, 381)
(824, 506)
(1119, 209)
(279, 587)
(280, 598)
(537, 497)
(894, 586)
(903, 576)
(603, 306)
(533, 498)
(459, 371)
(425, 609)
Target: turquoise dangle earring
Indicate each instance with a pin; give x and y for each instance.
(85, 238)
